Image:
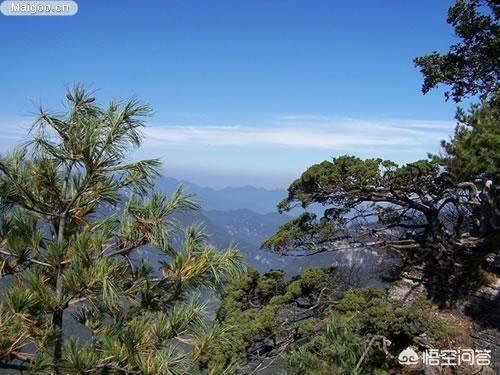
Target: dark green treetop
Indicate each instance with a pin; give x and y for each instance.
(471, 67)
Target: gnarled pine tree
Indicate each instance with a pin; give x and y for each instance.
(73, 214)
(446, 205)
(369, 202)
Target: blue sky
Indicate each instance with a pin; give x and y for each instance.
(243, 92)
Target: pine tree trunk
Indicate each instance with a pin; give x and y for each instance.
(434, 228)
(57, 316)
(489, 210)
(57, 321)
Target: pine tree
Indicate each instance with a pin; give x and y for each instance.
(73, 215)
(470, 69)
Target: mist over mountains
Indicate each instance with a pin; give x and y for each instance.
(245, 216)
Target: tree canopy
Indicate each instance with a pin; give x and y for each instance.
(362, 194)
(470, 67)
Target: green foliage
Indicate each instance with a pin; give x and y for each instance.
(471, 65)
(302, 231)
(79, 359)
(269, 285)
(325, 183)
(336, 350)
(469, 154)
(470, 157)
(359, 193)
(347, 181)
(317, 329)
(73, 211)
(375, 314)
(251, 305)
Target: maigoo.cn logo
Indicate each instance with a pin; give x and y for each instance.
(39, 8)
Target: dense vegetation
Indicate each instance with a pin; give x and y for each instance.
(318, 324)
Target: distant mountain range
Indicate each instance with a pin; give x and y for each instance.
(247, 215)
(243, 228)
(243, 216)
(259, 200)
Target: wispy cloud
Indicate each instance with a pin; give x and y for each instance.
(13, 131)
(308, 132)
(293, 131)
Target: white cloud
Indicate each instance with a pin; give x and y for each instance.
(308, 132)
(13, 131)
(293, 131)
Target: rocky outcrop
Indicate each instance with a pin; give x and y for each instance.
(480, 306)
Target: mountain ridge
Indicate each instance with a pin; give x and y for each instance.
(257, 199)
